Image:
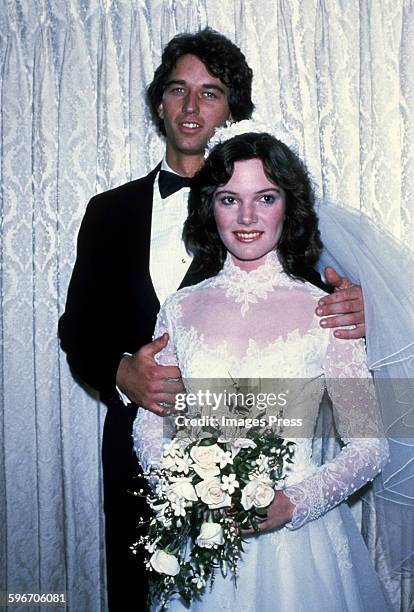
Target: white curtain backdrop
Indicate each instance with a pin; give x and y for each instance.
(336, 74)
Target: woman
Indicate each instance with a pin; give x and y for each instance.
(252, 214)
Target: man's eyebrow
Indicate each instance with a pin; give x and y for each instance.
(214, 86)
(204, 85)
(174, 82)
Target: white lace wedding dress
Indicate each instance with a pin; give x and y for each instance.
(262, 324)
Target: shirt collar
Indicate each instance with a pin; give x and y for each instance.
(165, 166)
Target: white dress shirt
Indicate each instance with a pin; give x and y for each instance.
(169, 260)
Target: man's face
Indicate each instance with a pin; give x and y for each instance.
(193, 104)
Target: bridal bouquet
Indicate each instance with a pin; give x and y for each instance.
(207, 491)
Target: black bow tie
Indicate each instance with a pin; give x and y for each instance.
(169, 183)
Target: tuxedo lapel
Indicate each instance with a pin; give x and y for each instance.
(193, 275)
(139, 231)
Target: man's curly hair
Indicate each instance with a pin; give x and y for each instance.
(221, 57)
(299, 246)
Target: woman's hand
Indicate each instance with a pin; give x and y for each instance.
(279, 513)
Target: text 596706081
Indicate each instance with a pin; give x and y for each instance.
(31, 598)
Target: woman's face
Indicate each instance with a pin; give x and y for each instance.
(249, 211)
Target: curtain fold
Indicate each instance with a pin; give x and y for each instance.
(335, 76)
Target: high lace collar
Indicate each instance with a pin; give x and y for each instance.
(271, 264)
(249, 287)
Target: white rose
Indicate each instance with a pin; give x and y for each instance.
(164, 563)
(206, 459)
(211, 493)
(257, 494)
(183, 488)
(206, 474)
(239, 443)
(211, 534)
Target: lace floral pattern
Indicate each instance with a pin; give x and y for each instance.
(277, 335)
(248, 287)
(341, 546)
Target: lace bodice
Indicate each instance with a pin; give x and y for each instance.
(261, 324)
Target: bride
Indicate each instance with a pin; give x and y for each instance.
(252, 224)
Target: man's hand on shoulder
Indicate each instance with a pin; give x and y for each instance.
(343, 307)
(147, 383)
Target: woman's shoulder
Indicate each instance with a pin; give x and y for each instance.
(308, 288)
(198, 290)
(316, 292)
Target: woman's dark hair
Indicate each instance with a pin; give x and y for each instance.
(299, 246)
(221, 57)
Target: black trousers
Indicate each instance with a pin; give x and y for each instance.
(127, 578)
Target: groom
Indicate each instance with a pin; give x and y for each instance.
(130, 257)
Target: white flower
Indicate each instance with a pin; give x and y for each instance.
(183, 464)
(225, 459)
(161, 488)
(206, 473)
(199, 581)
(261, 477)
(172, 449)
(262, 463)
(168, 463)
(257, 494)
(206, 459)
(212, 493)
(211, 534)
(159, 508)
(165, 563)
(240, 443)
(229, 483)
(178, 505)
(152, 546)
(232, 129)
(182, 488)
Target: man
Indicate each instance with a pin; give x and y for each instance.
(130, 257)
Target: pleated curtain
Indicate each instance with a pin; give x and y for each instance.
(336, 76)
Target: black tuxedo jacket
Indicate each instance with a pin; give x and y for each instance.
(111, 309)
(111, 305)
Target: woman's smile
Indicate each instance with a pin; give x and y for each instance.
(249, 211)
(243, 236)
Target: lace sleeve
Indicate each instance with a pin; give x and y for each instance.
(357, 419)
(150, 431)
